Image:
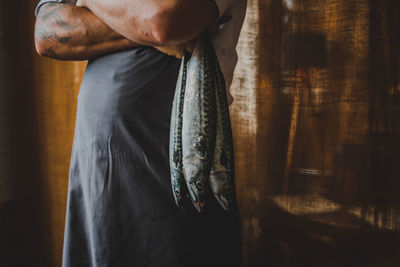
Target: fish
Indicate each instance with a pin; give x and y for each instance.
(201, 143)
(199, 122)
(178, 183)
(222, 171)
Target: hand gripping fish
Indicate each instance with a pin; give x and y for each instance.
(201, 150)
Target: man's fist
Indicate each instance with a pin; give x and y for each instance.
(177, 51)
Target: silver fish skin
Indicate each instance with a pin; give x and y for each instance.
(198, 126)
(222, 172)
(175, 138)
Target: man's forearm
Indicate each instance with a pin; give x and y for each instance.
(133, 19)
(68, 32)
(155, 22)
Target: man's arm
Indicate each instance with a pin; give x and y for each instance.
(155, 22)
(65, 31)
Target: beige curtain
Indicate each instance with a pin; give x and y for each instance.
(317, 132)
(316, 122)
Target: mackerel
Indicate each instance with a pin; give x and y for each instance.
(222, 172)
(175, 142)
(199, 122)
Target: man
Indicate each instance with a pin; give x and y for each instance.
(120, 208)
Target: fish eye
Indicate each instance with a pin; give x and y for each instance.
(199, 185)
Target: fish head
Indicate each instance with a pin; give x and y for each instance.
(223, 189)
(197, 182)
(178, 186)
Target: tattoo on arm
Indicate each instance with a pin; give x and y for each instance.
(61, 34)
(63, 24)
(48, 10)
(49, 15)
(44, 34)
(50, 53)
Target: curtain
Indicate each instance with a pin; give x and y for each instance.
(316, 129)
(37, 116)
(316, 124)
(20, 212)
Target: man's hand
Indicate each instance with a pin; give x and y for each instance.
(177, 51)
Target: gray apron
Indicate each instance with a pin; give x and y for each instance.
(120, 208)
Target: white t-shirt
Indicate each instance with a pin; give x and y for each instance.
(224, 41)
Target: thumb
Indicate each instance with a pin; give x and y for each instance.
(189, 45)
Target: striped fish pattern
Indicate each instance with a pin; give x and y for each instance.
(222, 171)
(201, 147)
(175, 147)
